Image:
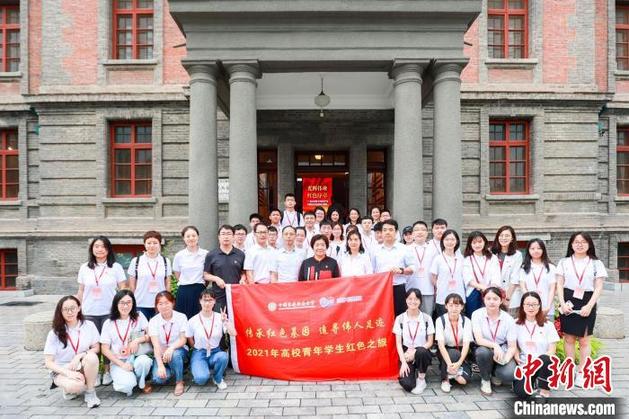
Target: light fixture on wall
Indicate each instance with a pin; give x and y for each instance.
(322, 100)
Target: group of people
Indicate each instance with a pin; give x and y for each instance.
(487, 306)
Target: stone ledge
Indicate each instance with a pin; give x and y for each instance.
(128, 201)
(519, 198)
(511, 63)
(621, 74)
(127, 64)
(10, 75)
(11, 203)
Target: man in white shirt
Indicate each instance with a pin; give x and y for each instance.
(275, 217)
(290, 216)
(393, 256)
(240, 236)
(254, 219)
(367, 235)
(311, 230)
(285, 265)
(420, 279)
(258, 258)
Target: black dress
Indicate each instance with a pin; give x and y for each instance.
(312, 269)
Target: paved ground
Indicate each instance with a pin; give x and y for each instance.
(24, 388)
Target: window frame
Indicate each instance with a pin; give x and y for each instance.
(5, 28)
(133, 146)
(505, 13)
(621, 149)
(135, 12)
(625, 28)
(3, 269)
(618, 265)
(374, 167)
(4, 152)
(507, 144)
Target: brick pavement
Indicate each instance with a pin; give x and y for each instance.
(24, 388)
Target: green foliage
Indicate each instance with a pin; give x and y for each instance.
(596, 346)
(166, 251)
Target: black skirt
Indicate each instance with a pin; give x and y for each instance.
(575, 324)
(188, 299)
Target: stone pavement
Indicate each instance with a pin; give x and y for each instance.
(24, 387)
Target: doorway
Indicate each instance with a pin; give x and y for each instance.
(322, 178)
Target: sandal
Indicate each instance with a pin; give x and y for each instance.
(148, 389)
(179, 388)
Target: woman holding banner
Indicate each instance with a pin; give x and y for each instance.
(414, 333)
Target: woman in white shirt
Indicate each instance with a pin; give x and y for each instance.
(71, 352)
(447, 271)
(167, 330)
(538, 274)
(352, 217)
(494, 333)
(414, 335)
(453, 333)
(538, 338)
(99, 279)
(337, 243)
(149, 274)
(205, 333)
(480, 270)
(354, 260)
(188, 268)
(580, 278)
(505, 248)
(122, 335)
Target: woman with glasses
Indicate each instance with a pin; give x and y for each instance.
(580, 277)
(71, 352)
(123, 333)
(188, 268)
(537, 337)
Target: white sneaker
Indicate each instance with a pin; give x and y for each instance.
(446, 386)
(485, 387)
(419, 387)
(496, 381)
(99, 378)
(91, 399)
(222, 385)
(106, 379)
(69, 396)
(579, 380)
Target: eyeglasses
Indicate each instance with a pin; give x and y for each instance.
(208, 301)
(125, 303)
(579, 242)
(72, 309)
(262, 232)
(535, 305)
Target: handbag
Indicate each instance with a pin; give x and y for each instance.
(144, 348)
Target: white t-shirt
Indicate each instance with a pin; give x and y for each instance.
(99, 287)
(82, 337)
(355, 265)
(501, 331)
(336, 249)
(114, 332)
(199, 327)
(414, 332)
(286, 264)
(446, 335)
(397, 256)
(541, 338)
(369, 241)
(168, 331)
(190, 266)
(250, 240)
(540, 279)
(482, 270)
(593, 269)
(510, 274)
(150, 278)
(260, 260)
(420, 279)
(292, 218)
(449, 271)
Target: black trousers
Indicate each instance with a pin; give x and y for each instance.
(399, 299)
(539, 379)
(455, 355)
(423, 359)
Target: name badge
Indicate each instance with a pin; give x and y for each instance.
(578, 293)
(97, 293)
(531, 346)
(153, 286)
(451, 285)
(421, 270)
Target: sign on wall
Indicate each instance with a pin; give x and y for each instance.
(316, 191)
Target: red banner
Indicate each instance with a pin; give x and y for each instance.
(316, 192)
(333, 329)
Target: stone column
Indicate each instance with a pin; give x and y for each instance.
(243, 140)
(202, 159)
(358, 175)
(447, 190)
(285, 171)
(408, 203)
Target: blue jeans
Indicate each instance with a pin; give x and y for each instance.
(148, 312)
(200, 365)
(174, 367)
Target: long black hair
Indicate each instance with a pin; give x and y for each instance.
(353, 232)
(526, 264)
(475, 235)
(513, 246)
(59, 323)
(111, 256)
(591, 252)
(114, 314)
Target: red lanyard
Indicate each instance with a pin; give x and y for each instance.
(167, 335)
(579, 277)
(452, 271)
(99, 277)
(420, 259)
(539, 277)
(433, 243)
(290, 222)
(482, 271)
(530, 332)
(207, 335)
(455, 333)
(413, 336)
(495, 333)
(123, 339)
(153, 271)
(75, 348)
(501, 262)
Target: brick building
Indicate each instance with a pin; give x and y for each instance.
(103, 106)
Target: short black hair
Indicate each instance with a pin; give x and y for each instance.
(309, 213)
(366, 217)
(226, 227)
(239, 227)
(325, 223)
(390, 222)
(456, 235)
(272, 228)
(255, 228)
(255, 215)
(275, 209)
(439, 222)
(420, 222)
(289, 195)
(377, 226)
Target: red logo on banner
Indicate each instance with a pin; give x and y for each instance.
(337, 329)
(316, 191)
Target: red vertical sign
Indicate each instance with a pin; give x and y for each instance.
(316, 191)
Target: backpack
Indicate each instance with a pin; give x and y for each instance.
(137, 262)
(443, 322)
